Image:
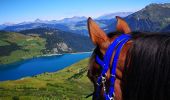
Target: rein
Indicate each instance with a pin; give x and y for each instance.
(116, 46)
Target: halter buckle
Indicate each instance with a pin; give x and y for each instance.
(103, 78)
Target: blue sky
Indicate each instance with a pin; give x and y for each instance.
(15, 11)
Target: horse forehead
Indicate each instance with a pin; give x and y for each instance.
(107, 44)
(113, 38)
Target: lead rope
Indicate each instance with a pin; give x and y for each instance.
(120, 41)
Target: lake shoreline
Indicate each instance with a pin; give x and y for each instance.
(44, 55)
(41, 64)
(63, 54)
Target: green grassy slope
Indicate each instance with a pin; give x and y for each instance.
(70, 83)
(15, 46)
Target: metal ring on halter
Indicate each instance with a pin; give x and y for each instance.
(104, 78)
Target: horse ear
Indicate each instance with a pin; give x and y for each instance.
(122, 26)
(97, 35)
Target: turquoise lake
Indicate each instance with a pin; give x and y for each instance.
(34, 66)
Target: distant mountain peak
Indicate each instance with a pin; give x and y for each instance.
(73, 19)
(160, 4)
(113, 15)
(8, 23)
(38, 20)
(156, 5)
(78, 17)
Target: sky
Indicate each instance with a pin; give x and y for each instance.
(15, 11)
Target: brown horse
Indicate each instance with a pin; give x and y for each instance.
(143, 69)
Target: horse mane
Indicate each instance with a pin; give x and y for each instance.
(147, 68)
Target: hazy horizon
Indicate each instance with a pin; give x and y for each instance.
(17, 11)
(10, 23)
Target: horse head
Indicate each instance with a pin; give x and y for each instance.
(129, 65)
(102, 42)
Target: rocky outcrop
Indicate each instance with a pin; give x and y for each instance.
(61, 47)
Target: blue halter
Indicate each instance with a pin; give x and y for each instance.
(115, 46)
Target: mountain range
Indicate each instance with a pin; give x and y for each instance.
(75, 24)
(152, 18)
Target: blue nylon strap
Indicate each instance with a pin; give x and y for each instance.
(109, 52)
(114, 64)
(100, 62)
(117, 44)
